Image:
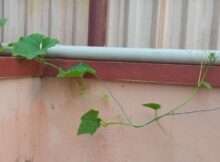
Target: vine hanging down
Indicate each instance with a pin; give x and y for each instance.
(35, 46)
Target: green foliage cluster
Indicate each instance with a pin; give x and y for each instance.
(35, 46)
(90, 122)
(76, 71)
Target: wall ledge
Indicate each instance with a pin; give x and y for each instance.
(117, 71)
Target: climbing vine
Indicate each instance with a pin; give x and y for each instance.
(35, 46)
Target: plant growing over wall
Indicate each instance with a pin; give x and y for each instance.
(35, 46)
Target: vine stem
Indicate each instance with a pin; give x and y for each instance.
(157, 117)
(115, 99)
(44, 62)
(172, 112)
(83, 91)
(198, 111)
(204, 75)
(200, 74)
(201, 78)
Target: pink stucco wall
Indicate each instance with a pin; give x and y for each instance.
(39, 119)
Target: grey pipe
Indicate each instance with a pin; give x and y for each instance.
(177, 56)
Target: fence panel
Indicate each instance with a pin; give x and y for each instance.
(187, 24)
(66, 20)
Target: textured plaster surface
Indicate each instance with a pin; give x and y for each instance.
(39, 119)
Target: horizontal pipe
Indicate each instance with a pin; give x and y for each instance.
(176, 56)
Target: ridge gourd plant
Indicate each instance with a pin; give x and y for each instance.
(35, 46)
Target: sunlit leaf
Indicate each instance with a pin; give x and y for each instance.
(90, 122)
(32, 46)
(154, 106)
(77, 71)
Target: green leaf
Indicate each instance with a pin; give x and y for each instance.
(154, 106)
(206, 85)
(90, 122)
(77, 71)
(2, 22)
(33, 45)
